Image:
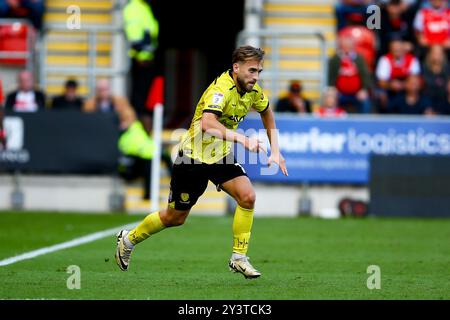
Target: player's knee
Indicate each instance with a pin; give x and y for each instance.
(247, 199)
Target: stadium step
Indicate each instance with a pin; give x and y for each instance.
(297, 8)
(299, 58)
(72, 48)
(210, 203)
(88, 18)
(85, 5)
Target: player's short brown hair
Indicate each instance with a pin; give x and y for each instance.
(245, 53)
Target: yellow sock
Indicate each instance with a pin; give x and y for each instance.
(150, 225)
(242, 225)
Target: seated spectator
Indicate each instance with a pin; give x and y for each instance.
(436, 73)
(329, 106)
(32, 10)
(1, 93)
(351, 12)
(348, 72)
(412, 101)
(294, 101)
(432, 25)
(392, 70)
(364, 43)
(105, 101)
(394, 22)
(445, 109)
(69, 100)
(2, 131)
(134, 143)
(26, 98)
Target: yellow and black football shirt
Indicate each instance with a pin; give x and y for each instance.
(222, 99)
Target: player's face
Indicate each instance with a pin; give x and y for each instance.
(247, 74)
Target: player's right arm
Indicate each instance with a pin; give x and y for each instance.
(210, 124)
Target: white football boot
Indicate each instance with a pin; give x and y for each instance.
(123, 252)
(242, 265)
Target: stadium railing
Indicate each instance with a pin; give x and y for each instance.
(119, 65)
(272, 40)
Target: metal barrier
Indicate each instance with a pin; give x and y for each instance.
(29, 53)
(274, 73)
(91, 70)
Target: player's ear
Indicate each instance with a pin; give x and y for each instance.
(235, 67)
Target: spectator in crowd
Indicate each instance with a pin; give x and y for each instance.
(26, 98)
(134, 143)
(351, 12)
(2, 130)
(69, 100)
(364, 43)
(445, 110)
(436, 73)
(348, 72)
(32, 10)
(432, 26)
(392, 70)
(394, 22)
(412, 101)
(141, 29)
(294, 101)
(329, 106)
(105, 101)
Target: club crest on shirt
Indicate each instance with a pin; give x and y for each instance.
(217, 98)
(185, 197)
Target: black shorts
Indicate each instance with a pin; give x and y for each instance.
(190, 179)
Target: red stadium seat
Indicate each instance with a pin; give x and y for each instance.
(13, 38)
(365, 42)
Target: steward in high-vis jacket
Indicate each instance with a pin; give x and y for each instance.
(142, 31)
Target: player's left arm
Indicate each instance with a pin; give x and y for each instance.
(268, 120)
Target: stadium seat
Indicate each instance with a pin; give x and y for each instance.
(13, 38)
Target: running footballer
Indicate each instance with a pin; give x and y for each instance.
(205, 154)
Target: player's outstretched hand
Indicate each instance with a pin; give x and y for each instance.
(278, 159)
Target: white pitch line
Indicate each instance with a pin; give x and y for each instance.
(64, 245)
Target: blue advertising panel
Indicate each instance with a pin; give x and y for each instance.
(325, 150)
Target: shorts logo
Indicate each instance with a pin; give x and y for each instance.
(185, 197)
(217, 98)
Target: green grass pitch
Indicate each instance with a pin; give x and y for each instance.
(300, 258)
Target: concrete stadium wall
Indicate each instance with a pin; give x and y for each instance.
(92, 194)
(61, 193)
(284, 200)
